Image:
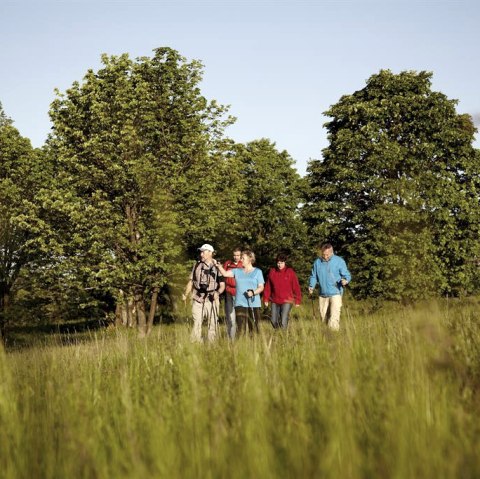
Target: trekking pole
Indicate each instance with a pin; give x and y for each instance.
(186, 312)
(313, 307)
(215, 312)
(203, 317)
(347, 310)
(185, 308)
(250, 310)
(210, 314)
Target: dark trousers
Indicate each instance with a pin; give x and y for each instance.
(247, 319)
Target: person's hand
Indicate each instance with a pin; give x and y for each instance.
(250, 293)
(297, 305)
(344, 282)
(310, 290)
(266, 304)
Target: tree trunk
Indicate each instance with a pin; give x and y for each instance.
(122, 313)
(139, 303)
(153, 307)
(131, 312)
(141, 316)
(4, 302)
(119, 308)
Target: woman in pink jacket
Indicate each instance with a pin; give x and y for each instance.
(282, 290)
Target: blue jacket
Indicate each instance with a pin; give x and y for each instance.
(328, 274)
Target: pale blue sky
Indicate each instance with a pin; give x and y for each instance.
(279, 65)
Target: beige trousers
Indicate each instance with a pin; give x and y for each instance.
(330, 308)
(209, 311)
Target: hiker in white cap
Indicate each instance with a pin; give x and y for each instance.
(206, 283)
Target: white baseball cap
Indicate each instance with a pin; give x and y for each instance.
(206, 247)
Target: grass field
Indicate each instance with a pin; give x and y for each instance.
(395, 394)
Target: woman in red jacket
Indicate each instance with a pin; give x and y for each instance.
(282, 290)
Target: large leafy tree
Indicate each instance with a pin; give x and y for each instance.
(397, 189)
(23, 171)
(269, 206)
(128, 143)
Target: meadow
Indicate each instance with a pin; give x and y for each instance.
(395, 394)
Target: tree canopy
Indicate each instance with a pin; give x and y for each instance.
(138, 172)
(22, 173)
(398, 189)
(128, 142)
(270, 203)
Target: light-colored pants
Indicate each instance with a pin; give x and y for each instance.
(230, 315)
(330, 307)
(208, 310)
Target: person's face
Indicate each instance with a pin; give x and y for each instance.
(245, 260)
(281, 264)
(206, 255)
(236, 256)
(327, 254)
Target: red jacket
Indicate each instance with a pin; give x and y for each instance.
(282, 287)
(230, 282)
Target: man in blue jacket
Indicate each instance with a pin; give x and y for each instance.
(331, 273)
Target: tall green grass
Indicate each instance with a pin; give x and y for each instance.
(394, 394)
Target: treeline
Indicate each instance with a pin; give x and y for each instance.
(105, 219)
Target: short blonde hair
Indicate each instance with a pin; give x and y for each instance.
(250, 254)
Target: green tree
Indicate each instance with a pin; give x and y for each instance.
(128, 143)
(269, 207)
(397, 190)
(211, 196)
(23, 170)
